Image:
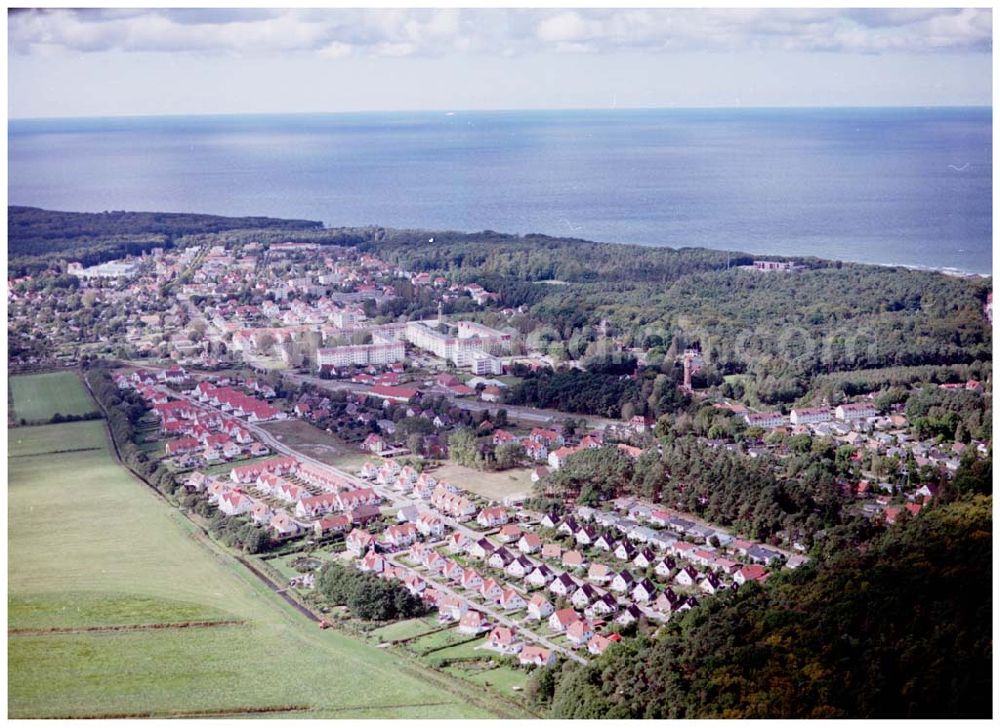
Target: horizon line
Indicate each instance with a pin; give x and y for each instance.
(787, 107)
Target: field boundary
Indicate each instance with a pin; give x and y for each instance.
(118, 628)
(405, 640)
(431, 651)
(206, 713)
(56, 452)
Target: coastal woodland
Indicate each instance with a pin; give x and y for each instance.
(615, 322)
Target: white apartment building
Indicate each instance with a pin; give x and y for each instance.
(361, 355)
(461, 349)
(856, 411)
(483, 363)
(811, 415)
(347, 318)
(767, 420)
(773, 265)
(111, 269)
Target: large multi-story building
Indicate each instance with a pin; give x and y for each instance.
(483, 363)
(111, 269)
(767, 420)
(462, 344)
(347, 318)
(379, 354)
(773, 265)
(811, 415)
(856, 411)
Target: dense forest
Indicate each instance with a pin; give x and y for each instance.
(608, 387)
(899, 629)
(37, 237)
(771, 335)
(496, 257)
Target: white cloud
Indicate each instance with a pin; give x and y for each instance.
(565, 27)
(336, 50)
(407, 32)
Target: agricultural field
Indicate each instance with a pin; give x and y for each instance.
(117, 605)
(494, 486)
(37, 397)
(317, 443)
(75, 437)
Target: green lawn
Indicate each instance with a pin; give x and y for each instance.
(37, 397)
(503, 678)
(463, 651)
(407, 629)
(283, 564)
(90, 546)
(436, 641)
(224, 468)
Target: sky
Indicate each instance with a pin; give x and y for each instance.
(119, 62)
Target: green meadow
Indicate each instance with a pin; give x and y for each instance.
(37, 397)
(105, 581)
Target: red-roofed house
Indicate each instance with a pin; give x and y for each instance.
(472, 622)
(599, 643)
(493, 516)
(537, 656)
(233, 503)
(181, 446)
(503, 640)
(560, 621)
(754, 572)
(358, 541)
(331, 524)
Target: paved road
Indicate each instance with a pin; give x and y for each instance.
(488, 611)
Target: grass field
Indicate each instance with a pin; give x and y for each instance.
(37, 397)
(31, 441)
(465, 650)
(407, 629)
(437, 642)
(283, 564)
(503, 678)
(317, 443)
(495, 486)
(90, 547)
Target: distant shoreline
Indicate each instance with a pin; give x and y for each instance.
(296, 226)
(540, 110)
(872, 184)
(955, 272)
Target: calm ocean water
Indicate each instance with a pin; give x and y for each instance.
(895, 186)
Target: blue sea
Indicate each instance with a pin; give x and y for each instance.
(889, 186)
